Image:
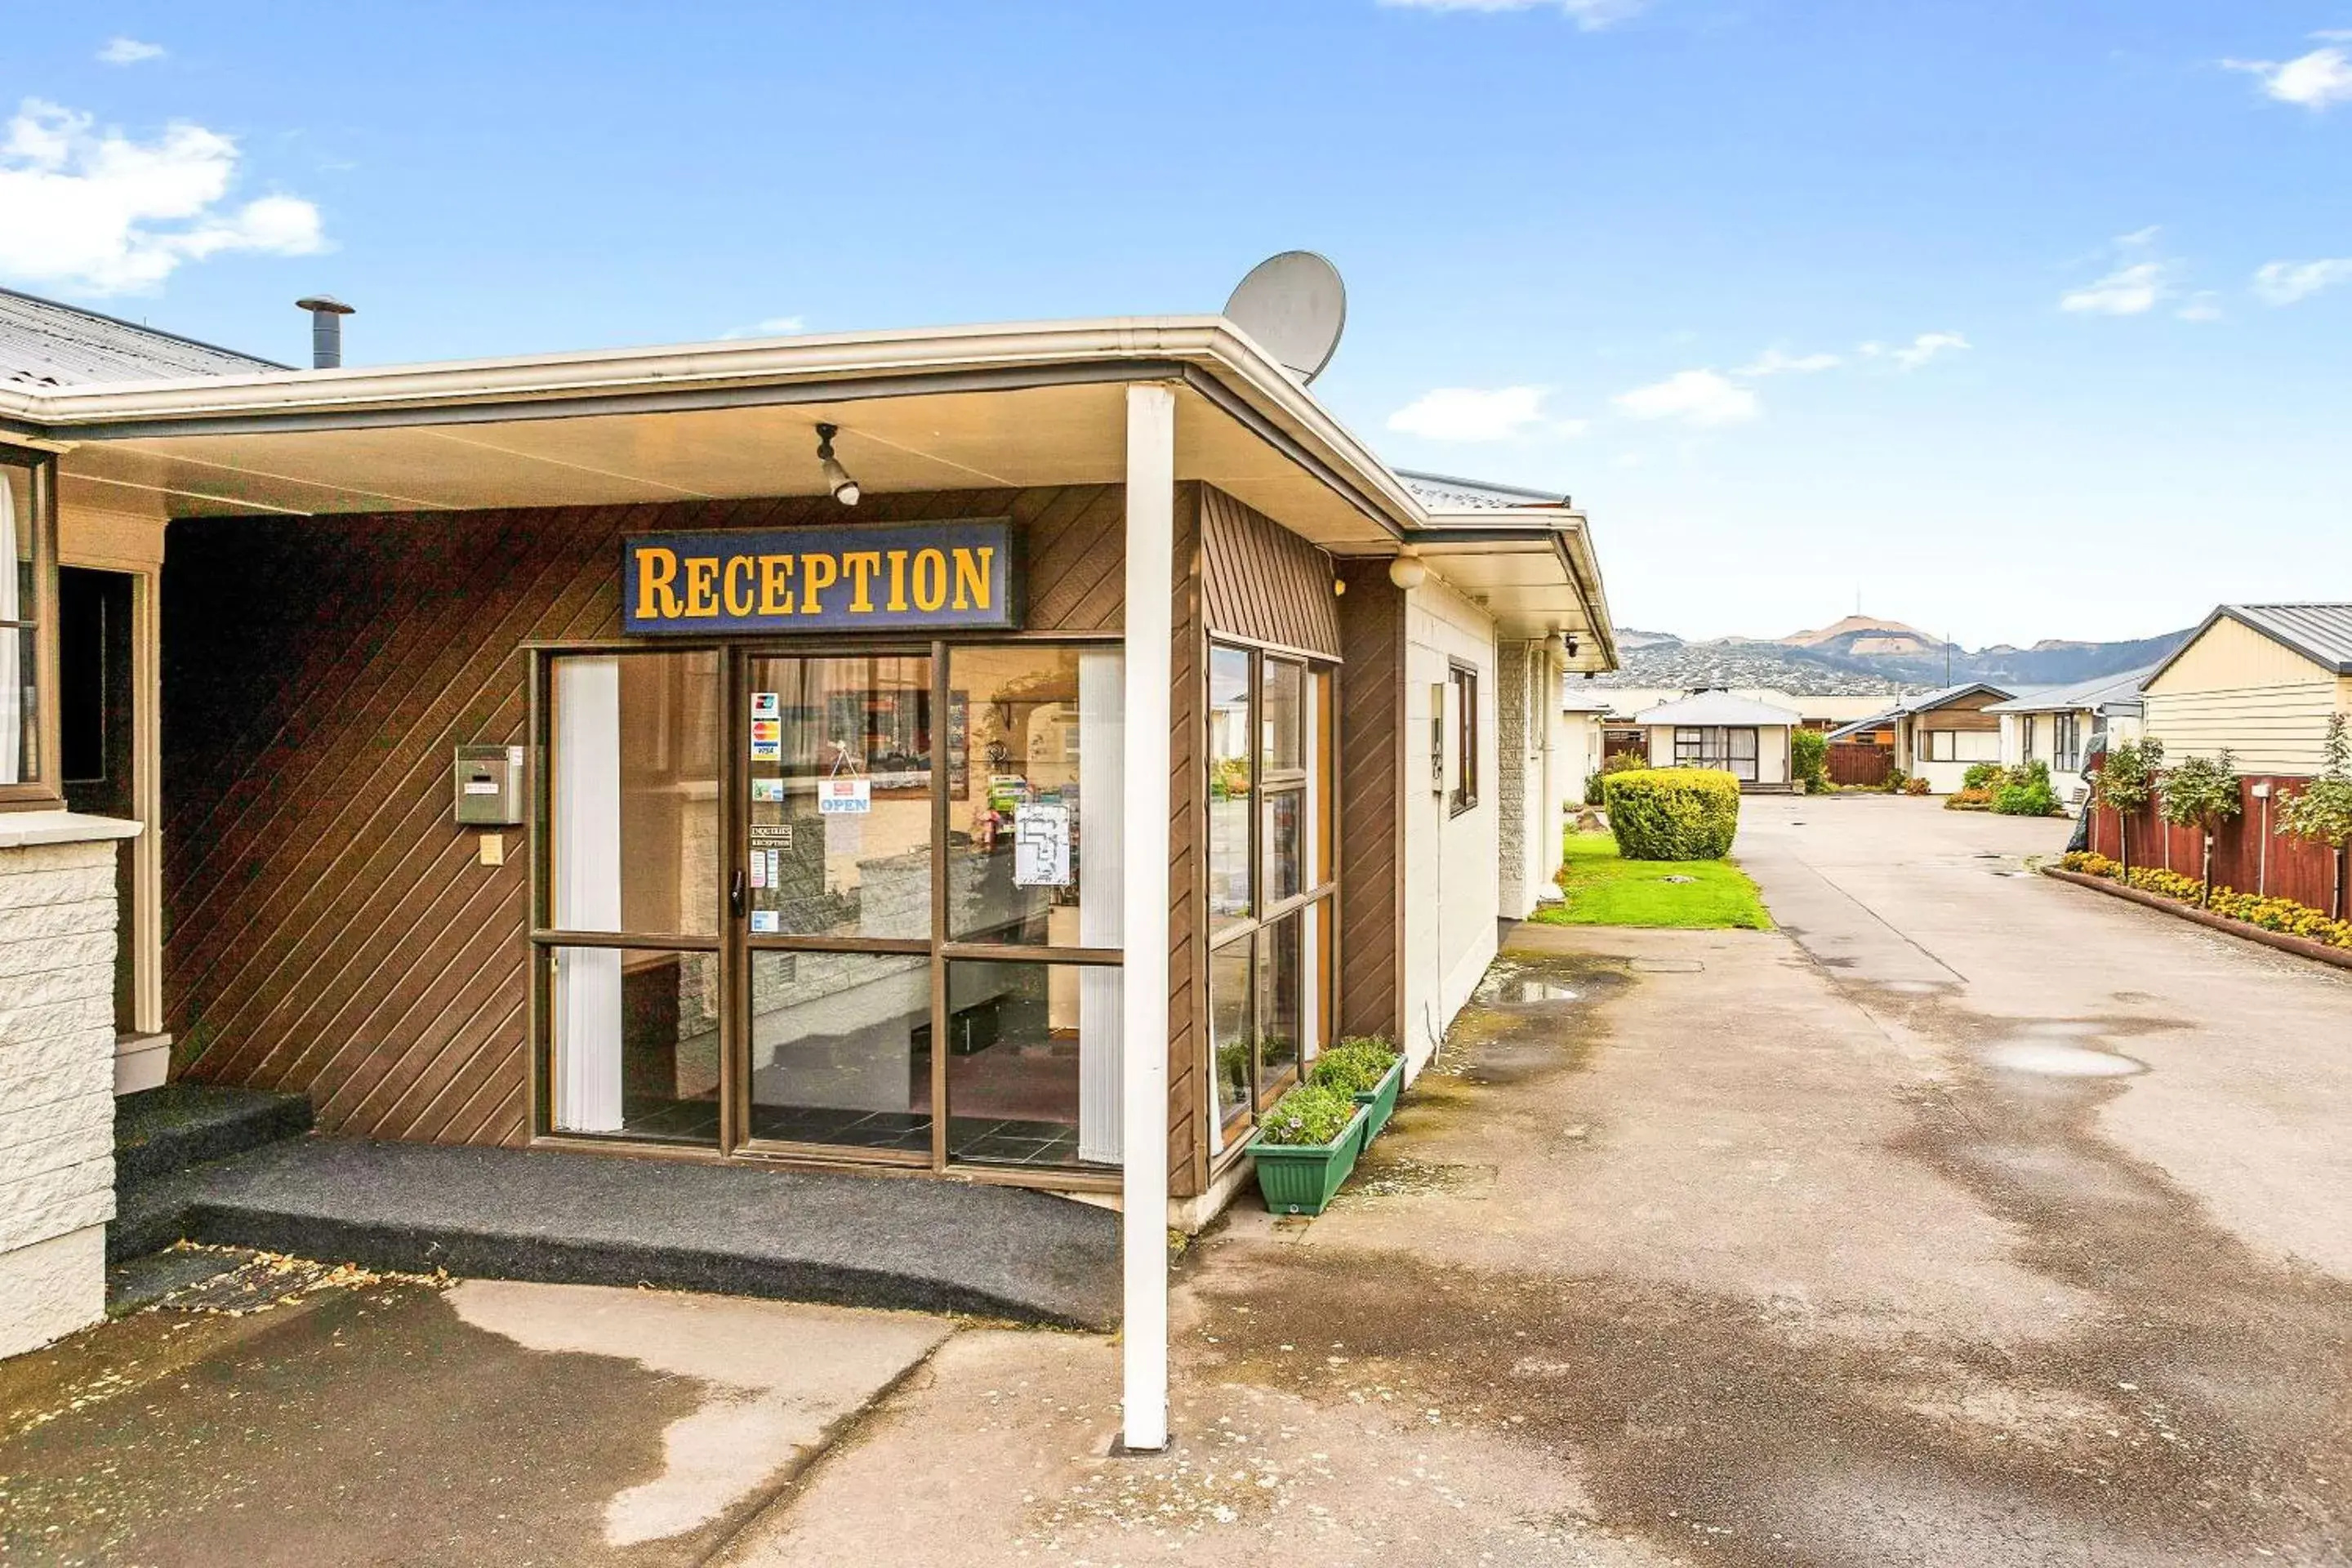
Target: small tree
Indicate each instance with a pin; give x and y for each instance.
(2127, 782)
(2321, 812)
(1808, 759)
(2203, 792)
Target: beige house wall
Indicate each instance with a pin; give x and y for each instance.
(2235, 688)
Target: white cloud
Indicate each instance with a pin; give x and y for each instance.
(1697, 396)
(105, 214)
(2284, 282)
(773, 327)
(1772, 362)
(1471, 414)
(2200, 306)
(2129, 290)
(1590, 14)
(2315, 80)
(1924, 347)
(122, 51)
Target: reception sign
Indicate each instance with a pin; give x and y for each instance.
(924, 576)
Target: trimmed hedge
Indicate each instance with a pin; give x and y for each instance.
(1673, 814)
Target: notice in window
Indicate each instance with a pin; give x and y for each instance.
(844, 797)
(767, 740)
(1041, 846)
(768, 791)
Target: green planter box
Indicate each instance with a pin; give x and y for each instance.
(1384, 1099)
(1303, 1178)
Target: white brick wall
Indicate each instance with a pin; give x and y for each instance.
(57, 1087)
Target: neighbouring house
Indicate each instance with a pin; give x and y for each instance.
(863, 751)
(1815, 710)
(1937, 735)
(2260, 681)
(2058, 727)
(1584, 730)
(1749, 740)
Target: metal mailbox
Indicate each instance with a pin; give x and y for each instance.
(490, 786)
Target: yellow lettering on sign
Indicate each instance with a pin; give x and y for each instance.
(775, 585)
(739, 566)
(930, 579)
(972, 573)
(656, 570)
(817, 572)
(861, 565)
(898, 580)
(701, 585)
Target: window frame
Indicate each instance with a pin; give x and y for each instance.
(1318, 748)
(44, 790)
(1462, 684)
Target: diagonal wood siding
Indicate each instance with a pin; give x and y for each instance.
(328, 929)
(1371, 795)
(1261, 581)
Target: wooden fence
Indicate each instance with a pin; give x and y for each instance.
(2248, 853)
(1858, 762)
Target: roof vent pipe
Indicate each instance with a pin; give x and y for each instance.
(327, 314)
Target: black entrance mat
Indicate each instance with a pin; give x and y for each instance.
(867, 1241)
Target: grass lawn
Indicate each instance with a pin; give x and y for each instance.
(1605, 889)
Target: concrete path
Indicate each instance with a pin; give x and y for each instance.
(1979, 1221)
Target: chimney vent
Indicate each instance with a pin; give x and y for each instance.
(327, 314)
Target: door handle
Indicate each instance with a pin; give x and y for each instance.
(735, 894)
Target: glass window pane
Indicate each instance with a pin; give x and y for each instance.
(20, 730)
(1230, 787)
(635, 1039)
(634, 805)
(1229, 1034)
(1035, 746)
(1319, 758)
(1280, 997)
(840, 773)
(1285, 844)
(840, 1049)
(1285, 721)
(1032, 1064)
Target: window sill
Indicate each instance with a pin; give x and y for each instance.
(22, 829)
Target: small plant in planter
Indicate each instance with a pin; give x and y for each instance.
(1305, 1146)
(2321, 812)
(2125, 783)
(1370, 1069)
(2201, 792)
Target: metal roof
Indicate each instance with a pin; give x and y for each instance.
(1720, 707)
(1446, 492)
(2099, 692)
(44, 343)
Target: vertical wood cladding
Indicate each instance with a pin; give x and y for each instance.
(1260, 580)
(1372, 629)
(328, 929)
(1188, 952)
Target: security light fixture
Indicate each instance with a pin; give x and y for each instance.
(1568, 644)
(1407, 571)
(836, 478)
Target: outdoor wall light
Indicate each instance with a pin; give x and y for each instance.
(836, 478)
(1407, 571)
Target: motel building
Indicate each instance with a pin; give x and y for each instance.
(1003, 754)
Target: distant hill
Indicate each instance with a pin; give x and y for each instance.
(1866, 654)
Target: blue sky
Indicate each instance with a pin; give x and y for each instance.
(2084, 270)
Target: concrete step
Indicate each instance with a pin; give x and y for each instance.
(158, 1131)
(597, 1219)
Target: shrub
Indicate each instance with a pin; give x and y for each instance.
(2089, 863)
(2125, 781)
(1674, 814)
(1808, 759)
(1896, 779)
(2024, 791)
(1624, 763)
(2201, 792)
(1308, 1113)
(1592, 787)
(2282, 915)
(2321, 812)
(1354, 1066)
(1971, 798)
(1980, 775)
(1913, 786)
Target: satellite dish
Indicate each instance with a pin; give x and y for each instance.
(1294, 306)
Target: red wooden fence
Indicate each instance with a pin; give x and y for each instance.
(1859, 762)
(2248, 853)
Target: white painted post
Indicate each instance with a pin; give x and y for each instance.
(1143, 1011)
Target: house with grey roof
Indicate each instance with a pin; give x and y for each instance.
(1745, 738)
(2060, 726)
(45, 343)
(1938, 735)
(2260, 681)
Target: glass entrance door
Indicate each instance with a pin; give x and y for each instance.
(836, 899)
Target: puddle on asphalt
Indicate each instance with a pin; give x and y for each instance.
(2061, 1062)
(1531, 991)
